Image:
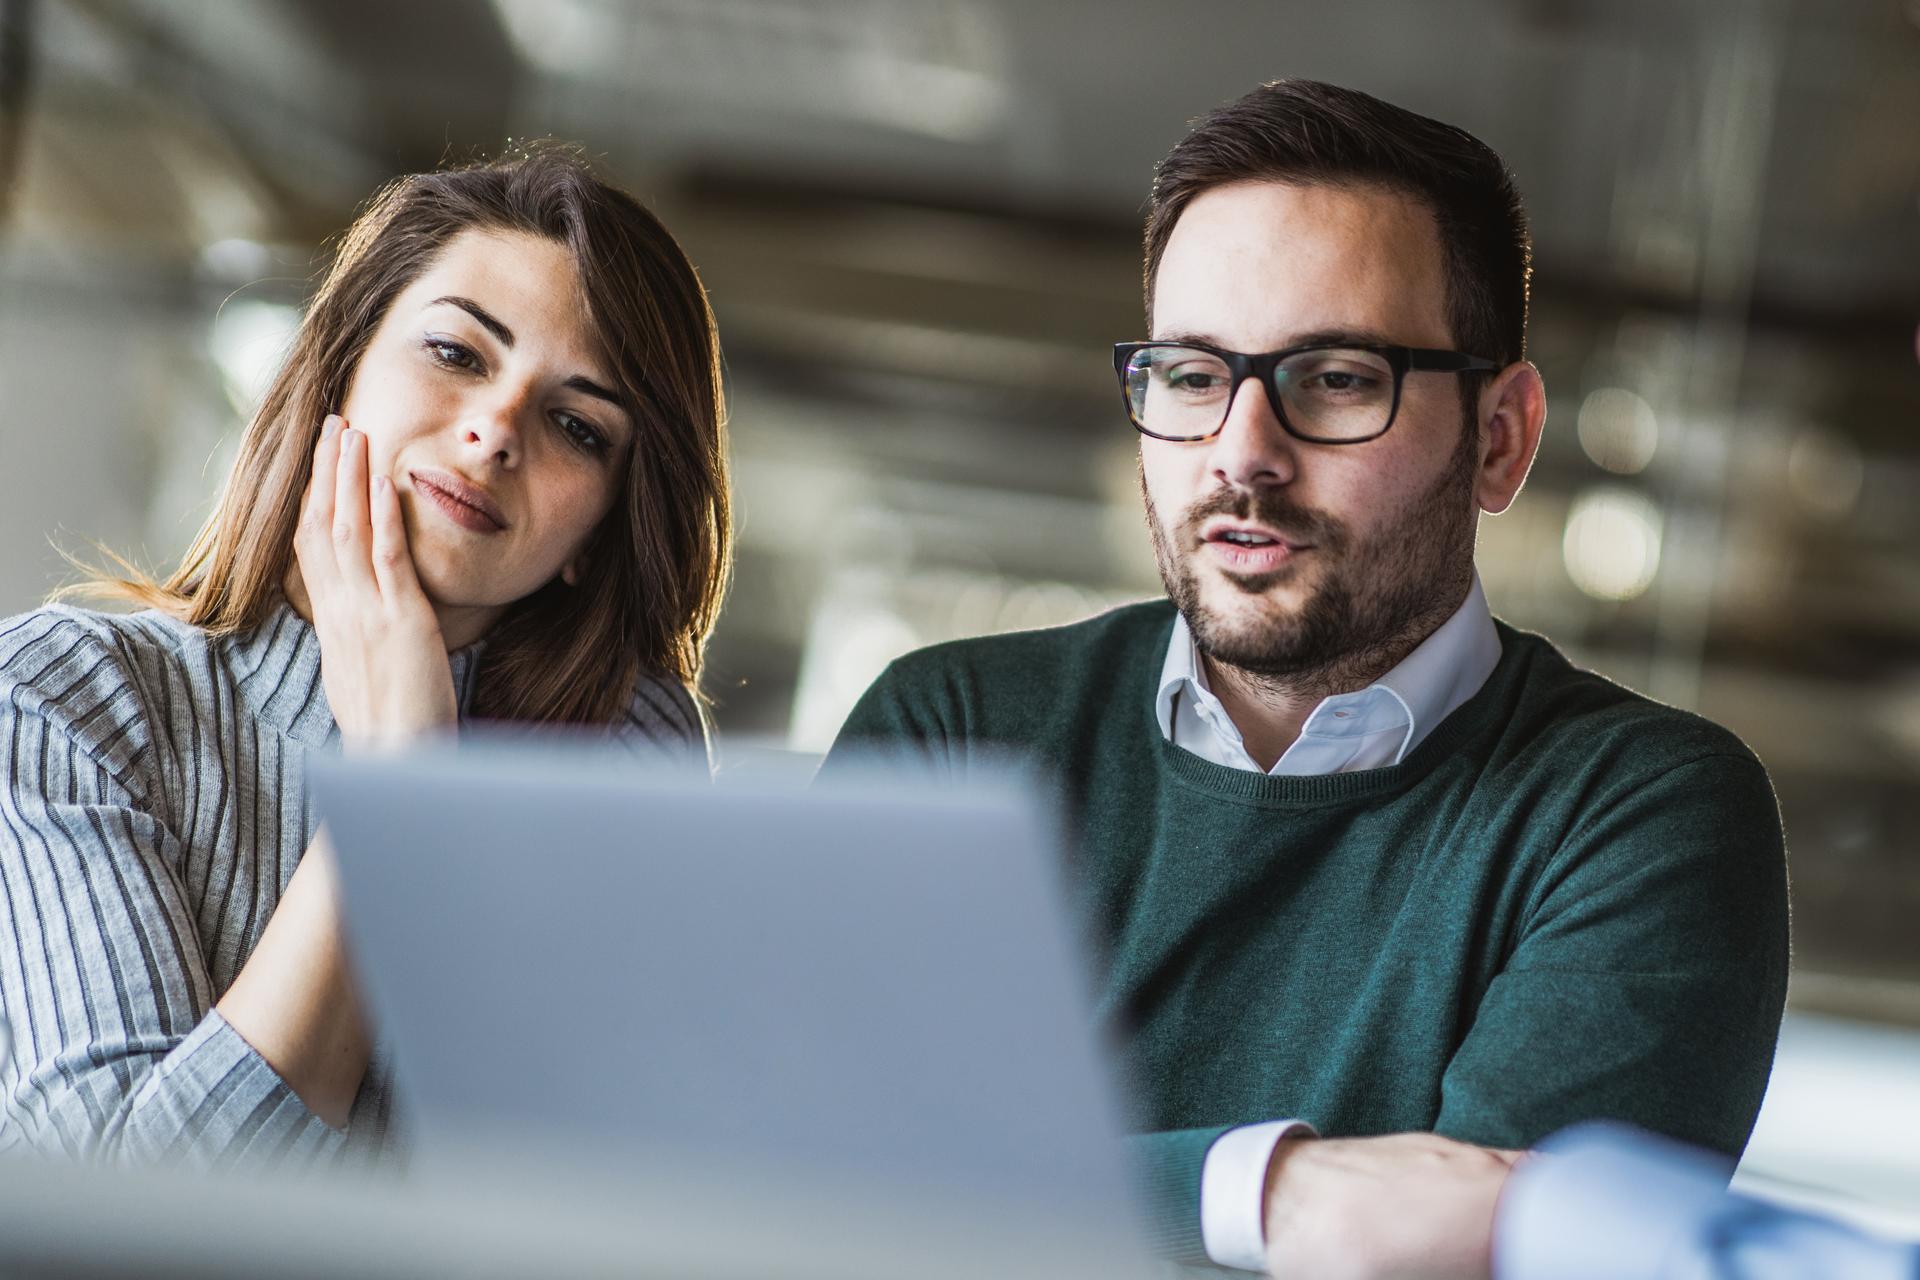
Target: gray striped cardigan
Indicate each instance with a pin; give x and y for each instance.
(153, 813)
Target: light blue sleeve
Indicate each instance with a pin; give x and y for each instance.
(1603, 1202)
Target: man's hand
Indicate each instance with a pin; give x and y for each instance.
(382, 658)
(1413, 1204)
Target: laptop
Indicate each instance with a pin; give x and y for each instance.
(864, 989)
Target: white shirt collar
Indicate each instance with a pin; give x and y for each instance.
(1366, 729)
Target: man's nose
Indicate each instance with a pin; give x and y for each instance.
(1252, 449)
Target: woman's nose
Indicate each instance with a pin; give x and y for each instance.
(493, 428)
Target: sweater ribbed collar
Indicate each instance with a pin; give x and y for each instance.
(1483, 712)
(1346, 732)
(277, 667)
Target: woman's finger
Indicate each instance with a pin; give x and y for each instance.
(314, 531)
(392, 558)
(352, 536)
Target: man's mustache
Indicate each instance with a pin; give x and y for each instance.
(1272, 508)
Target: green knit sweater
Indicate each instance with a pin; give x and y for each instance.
(1568, 902)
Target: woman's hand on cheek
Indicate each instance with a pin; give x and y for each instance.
(382, 658)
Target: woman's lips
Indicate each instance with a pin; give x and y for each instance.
(464, 514)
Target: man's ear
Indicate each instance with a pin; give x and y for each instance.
(1512, 413)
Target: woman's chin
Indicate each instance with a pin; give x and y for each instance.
(461, 592)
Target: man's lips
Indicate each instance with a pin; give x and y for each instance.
(1244, 547)
(1245, 533)
(1236, 558)
(467, 505)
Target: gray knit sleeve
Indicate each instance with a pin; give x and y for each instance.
(116, 1051)
(664, 726)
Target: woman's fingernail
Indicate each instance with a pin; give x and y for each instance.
(329, 425)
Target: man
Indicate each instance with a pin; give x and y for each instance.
(1605, 1204)
(1352, 852)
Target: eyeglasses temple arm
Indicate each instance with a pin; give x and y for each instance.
(1449, 362)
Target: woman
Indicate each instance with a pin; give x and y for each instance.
(490, 482)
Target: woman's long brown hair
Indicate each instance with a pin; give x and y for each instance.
(655, 570)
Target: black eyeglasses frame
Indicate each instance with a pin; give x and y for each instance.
(1263, 366)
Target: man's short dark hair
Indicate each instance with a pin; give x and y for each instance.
(1306, 132)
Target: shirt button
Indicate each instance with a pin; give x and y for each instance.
(1341, 715)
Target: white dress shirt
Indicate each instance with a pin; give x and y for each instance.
(1372, 728)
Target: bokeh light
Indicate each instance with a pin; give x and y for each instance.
(1618, 430)
(1612, 543)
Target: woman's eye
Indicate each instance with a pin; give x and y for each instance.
(454, 355)
(583, 433)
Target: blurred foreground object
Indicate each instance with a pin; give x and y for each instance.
(494, 1221)
(1602, 1202)
(751, 987)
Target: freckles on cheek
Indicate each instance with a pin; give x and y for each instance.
(574, 511)
(389, 400)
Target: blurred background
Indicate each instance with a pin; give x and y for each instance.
(920, 224)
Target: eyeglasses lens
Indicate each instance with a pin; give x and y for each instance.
(1334, 394)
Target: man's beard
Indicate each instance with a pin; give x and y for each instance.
(1377, 598)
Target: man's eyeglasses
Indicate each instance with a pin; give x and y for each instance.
(1344, 394)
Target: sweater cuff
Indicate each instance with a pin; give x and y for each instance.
(1168, 1165)
(214, 1100)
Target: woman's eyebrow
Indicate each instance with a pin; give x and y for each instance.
(578, 382)
(587, 386)
(486, 318)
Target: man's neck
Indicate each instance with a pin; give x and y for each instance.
(1268, 713)
(1270, 710)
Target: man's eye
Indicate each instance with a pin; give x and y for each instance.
(1341, 380)
(1193, 380)
(453, 354)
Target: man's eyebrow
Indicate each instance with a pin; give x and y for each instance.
(1342, 337)
(1315, 338)
(1202, 339)
(487, 319)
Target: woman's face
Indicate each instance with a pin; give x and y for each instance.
(484, 399)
